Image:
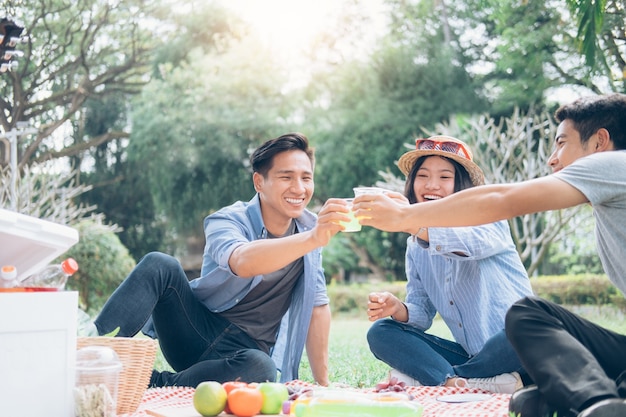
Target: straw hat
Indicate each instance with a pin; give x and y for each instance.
(448, 147)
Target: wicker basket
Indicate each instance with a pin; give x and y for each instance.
(137, 356)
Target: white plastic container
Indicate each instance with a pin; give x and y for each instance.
(97, 381)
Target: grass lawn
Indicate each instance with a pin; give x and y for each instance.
(351, 362)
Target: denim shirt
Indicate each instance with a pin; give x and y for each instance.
(470, 276)
(219, 288)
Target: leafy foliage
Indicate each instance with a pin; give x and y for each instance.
(74, 51)
(211, 94)
(373, 110)
(192, 130)
(521, 75)
(576, 289)
(103, 264)
(377, 107)
(590, 16)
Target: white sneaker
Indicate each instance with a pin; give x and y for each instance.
(499, 384)
(400, 377)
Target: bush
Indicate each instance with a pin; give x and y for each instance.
(103, 263)
(588, 289)
(352, 298)
(577, 289)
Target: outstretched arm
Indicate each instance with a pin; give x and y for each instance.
(470, 207)
(263, 256)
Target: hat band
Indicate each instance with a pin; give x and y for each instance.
(444, 146)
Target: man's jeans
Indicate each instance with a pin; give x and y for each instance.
(198, 344)
(431, 359)
(573, 361)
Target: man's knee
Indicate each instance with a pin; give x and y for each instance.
(519, 311)
(261, 366)
(159, 259)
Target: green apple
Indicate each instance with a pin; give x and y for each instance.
(209, 399)
(274, 394)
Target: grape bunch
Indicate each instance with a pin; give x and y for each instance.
(392, 386)
(295, 392)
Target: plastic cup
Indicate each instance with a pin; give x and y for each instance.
(97, 380)
(368, 190)
(353, 225)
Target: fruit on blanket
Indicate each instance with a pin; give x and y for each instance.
(229, 386)
(286, 407)
(245, 401)
(299, 399)
(209, 399)
(392, 386)
(274, 394)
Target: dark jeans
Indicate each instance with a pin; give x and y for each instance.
(431, 359)
(198, 344)
(573, 361)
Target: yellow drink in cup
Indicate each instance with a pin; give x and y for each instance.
(353, 225)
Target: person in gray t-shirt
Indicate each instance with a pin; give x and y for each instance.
(579, 368)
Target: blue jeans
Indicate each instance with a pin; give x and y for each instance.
(198, 344)
(431, 360)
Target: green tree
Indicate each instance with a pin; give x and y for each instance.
(589, 15)
(193, 129)
(118, 188)
(115, 187)
(600, 39)
(536, 48)
(78, 56)
(370, 110)
(73, 52)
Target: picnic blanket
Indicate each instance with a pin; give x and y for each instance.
(433, 399)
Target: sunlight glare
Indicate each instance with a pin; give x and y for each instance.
(291, 26)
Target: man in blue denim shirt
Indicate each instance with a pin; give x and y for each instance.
(261, 296)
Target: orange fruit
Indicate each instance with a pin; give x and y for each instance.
(245, 401)
(229, 386)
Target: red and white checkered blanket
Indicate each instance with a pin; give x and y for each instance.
(496, 405)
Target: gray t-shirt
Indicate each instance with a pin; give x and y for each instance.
(601, 177)
(261, 310)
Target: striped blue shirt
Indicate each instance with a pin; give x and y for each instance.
(470, 276)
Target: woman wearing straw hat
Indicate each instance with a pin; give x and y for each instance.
(469, 275)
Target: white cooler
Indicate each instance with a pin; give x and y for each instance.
(37, 329)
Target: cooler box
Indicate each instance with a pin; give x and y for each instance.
(37, 329)
(29, 243)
